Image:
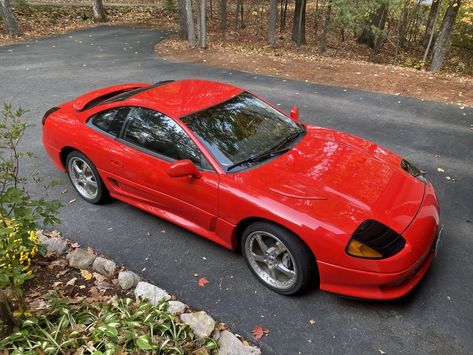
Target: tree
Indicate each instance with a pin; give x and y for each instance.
(99, 11)
(190, 24)
(222, 9)
(323, 36)
(443, 39)
(430, 26)
(8, 18)
(431, 36)
(372, 34)
(273, 12)
(298, 27)
(181, 4)
(203, 23)
(238, 13)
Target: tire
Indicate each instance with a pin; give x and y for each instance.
(85, 178)
(287, 266)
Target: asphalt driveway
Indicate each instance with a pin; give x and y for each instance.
(436, 318)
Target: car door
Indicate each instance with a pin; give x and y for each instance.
(150, 142)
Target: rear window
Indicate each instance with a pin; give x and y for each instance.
(110, 121)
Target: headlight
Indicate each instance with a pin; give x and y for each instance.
(374, 240)
(411, 169)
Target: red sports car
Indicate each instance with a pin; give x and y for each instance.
(306, 205)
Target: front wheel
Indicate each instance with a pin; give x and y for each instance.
(279, 259)
(85, 178)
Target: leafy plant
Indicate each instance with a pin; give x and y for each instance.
(19, 213)
(120, 326)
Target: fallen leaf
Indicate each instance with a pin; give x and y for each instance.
(71, 282)
(311, 321)
(258, 331)
(99, 277)
(203, 281)
(87, 275)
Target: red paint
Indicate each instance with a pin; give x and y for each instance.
(321, 190)
(294, 114)
(183, 168)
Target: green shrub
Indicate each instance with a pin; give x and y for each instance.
(20, 214)
(120, 326)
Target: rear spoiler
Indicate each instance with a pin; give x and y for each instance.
(81, 102)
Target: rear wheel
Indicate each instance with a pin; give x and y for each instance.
(278, 258)
(85, 178)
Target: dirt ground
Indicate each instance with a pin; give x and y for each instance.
(315, 68)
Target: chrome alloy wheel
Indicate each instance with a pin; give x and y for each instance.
(83, 178)
(271, 260)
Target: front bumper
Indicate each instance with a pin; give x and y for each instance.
(421, 237)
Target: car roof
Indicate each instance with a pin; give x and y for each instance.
(183, 97)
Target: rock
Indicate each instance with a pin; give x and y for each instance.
(150, 293)
(128, 279)
(200, 322)
(80, 259)
(56, 246)
(229, 344)
(176, 307)
(104, 266)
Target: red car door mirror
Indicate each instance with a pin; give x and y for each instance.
(294, 114)
(184, 168)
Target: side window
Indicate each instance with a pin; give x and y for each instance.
(162, 135)
(110, 121)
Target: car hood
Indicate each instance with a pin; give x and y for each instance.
(341, 179)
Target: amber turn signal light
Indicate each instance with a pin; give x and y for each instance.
(357, 248)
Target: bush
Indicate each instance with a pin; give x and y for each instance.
(122, 326)
(19, 214)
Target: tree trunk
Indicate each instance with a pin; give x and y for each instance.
(430, 26)
(190, 24)
(403, 25)
(316, 21)
(203, 23)
(283, 15)
(99, 11)
(431, 36)
(325, 30)
(223, 14)
(377, 19)
(298, 27)
(443, 39)
(273, 14)
(8, 18)
(239, 4)
(181, 4)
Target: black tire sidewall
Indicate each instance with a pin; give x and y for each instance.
(102, 193)
(304, 260)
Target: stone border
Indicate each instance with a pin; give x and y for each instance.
(202, 324)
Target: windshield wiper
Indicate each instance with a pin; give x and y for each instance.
(259, 157)
(290, 137)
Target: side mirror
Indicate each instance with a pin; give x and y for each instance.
(183, 168)
(294, 114)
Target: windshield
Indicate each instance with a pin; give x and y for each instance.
(242, 128)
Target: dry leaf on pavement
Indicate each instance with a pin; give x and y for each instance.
(258, 331)
(203, 281)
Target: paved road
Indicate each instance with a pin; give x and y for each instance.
(436, 318)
